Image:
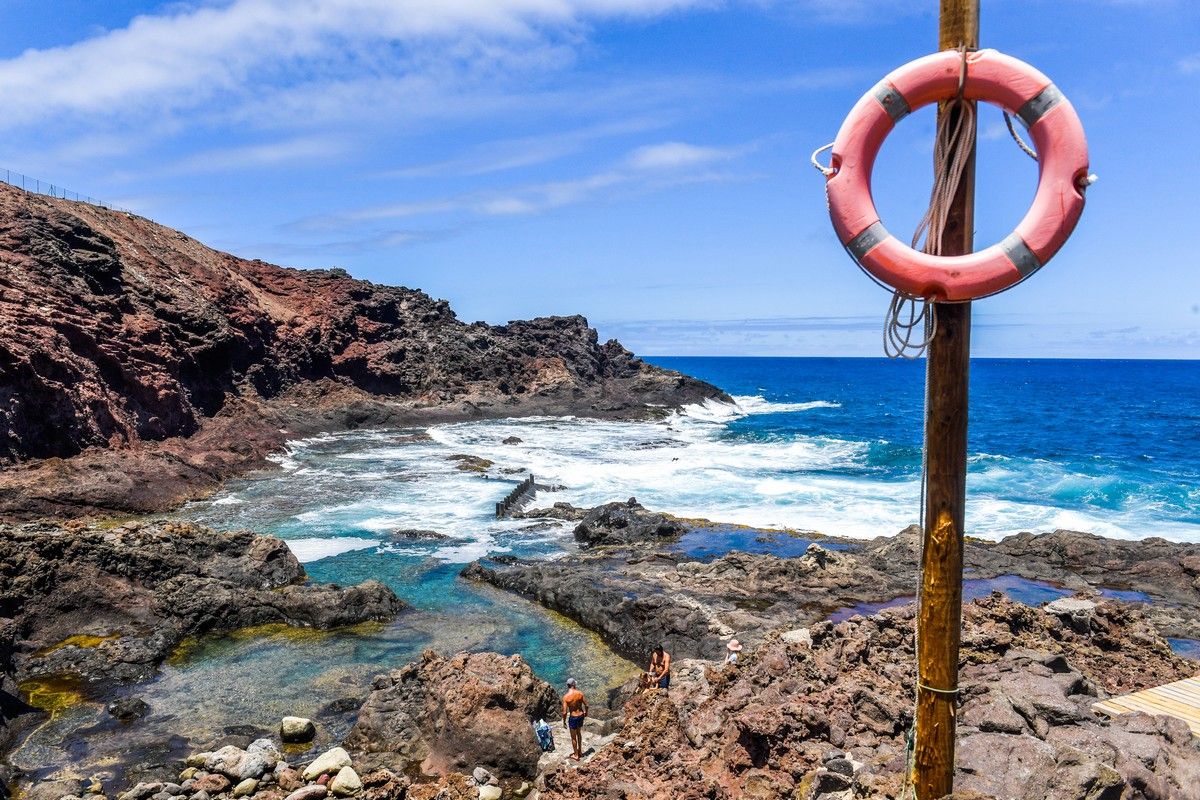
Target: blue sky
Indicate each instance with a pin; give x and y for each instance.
(643, 162)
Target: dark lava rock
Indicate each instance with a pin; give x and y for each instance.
(512, 440)
(563, 511)
(453, 714)
(638, 596)
(793, 719)
(343, 705)
(128, 708)
(415, 535)
(107, 605)
(626, 523)
(118, 332)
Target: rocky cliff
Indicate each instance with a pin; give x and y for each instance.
(117, 333)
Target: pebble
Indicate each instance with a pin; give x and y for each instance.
(346, 783)
(297, 730)
(246, 788)
(490, 793)
(329, 761)
(308, 793)
(798, 636)
(213, 783)
(226, 761)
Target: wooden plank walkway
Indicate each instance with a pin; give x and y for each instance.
(1180, 699)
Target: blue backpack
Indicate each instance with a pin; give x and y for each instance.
(545, 738)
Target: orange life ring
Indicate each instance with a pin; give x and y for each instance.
(994, 78)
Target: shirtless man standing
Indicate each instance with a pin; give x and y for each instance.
(660, 669)
(575, 710)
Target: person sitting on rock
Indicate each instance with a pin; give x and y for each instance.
(575, 711)
(660, 668)
(734, 647)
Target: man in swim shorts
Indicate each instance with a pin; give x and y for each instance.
(660, 668)
(575, 711)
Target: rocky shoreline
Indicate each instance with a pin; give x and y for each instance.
(636, 587)
(817, 710)
(87, 608)
(818, 716)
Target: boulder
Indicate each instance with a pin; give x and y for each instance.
(213, 783)
(227, 761)
(451, 714)
(626, 523)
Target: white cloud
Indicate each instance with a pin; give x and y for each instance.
(304, 148)
(500, 156)
(183, 59)
(649, 168)
(673, 155)
(1189, 65)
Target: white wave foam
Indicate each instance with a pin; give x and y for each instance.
(687, 464)
(716, 411)
(230, 500)
(309, 550)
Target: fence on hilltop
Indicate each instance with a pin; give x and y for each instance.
(39, 186)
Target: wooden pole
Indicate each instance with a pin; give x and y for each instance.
(939, 625)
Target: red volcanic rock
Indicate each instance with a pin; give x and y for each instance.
(830, 720)
(448, 715)
(116, 331)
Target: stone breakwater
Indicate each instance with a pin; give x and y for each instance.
(158, 367)
(98, 607)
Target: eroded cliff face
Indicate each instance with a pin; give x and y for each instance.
(115, 330)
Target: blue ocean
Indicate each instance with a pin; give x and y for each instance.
(825, 445)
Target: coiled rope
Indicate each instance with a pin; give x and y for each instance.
(954, 143)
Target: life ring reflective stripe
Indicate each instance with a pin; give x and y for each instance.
(991, 77)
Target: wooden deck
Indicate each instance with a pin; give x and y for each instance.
(1180, 699)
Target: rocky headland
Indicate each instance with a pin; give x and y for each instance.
(139, 368)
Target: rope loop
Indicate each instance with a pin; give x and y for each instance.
(902, 323)
(821, 168)
(1026, 149)
(953, 691)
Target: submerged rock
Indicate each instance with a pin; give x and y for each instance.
(293, 730)
(128, 708)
